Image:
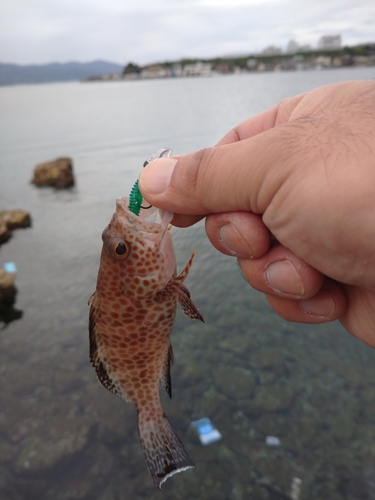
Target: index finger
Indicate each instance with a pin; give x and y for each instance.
(261, 122)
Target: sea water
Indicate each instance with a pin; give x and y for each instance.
(62, 435)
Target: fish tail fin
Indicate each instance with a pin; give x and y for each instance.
(165, 454)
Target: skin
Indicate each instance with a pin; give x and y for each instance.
(291, 194)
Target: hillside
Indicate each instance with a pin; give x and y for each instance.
(11, 74)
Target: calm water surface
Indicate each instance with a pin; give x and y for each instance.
(63, 436)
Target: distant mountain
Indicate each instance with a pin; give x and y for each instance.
(11, 74)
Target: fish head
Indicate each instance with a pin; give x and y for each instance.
(138, 254)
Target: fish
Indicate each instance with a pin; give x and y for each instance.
(132, 313)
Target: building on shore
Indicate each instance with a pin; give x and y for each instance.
(330, 42)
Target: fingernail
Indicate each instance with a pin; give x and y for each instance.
(322, 305)
(283, 277)
(235, 242)
(156, 176)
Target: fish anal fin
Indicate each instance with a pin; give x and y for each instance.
(165, 454)
(187, 305)
(166, 373)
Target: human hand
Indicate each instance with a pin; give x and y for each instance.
(291, 194)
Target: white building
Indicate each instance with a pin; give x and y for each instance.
(271, 50)
(330, 42)
(198, 69)
(292, 47)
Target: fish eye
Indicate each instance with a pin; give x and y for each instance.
(119, 249)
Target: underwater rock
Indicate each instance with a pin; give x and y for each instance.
(236, 383)
(8, 451)
(45, 447)
(64, 381)
(265, 357)
(115, 420)
(278, 473)
(238, 344)
(85, 474)
(273, 424)
(8, 290)
(191, 371)
(342, 427)
(211, 403)
(132, 456)
(269, 399)
(31, 488)
(368, 404)
(8, 488)
(57, 173)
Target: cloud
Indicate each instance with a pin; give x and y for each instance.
(146, 31)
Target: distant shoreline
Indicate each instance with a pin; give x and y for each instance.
(357, 56)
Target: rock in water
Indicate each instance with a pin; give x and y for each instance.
(15, 219)
(12, 219)
(5, 233)
(7, 288)
(57, 173)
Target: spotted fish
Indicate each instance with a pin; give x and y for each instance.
(131, 319)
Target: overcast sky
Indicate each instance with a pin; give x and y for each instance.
(145, 31)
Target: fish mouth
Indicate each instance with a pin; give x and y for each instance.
(153, 221)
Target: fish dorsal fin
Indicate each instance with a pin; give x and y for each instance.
(166, 372)
(96, 349)
(182, 276)
(187, 305)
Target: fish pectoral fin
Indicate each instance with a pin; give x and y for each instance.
(166, 372)
(187, 305)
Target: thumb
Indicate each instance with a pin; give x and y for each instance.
(240, 176)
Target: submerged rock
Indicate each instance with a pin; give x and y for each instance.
(270, 399)
(236, 383)
(43, 448)
(266, 357)
(57, 173)
(84, 474)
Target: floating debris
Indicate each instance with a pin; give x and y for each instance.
(273, 441)
(206, 431)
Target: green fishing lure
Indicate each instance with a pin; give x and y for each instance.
(135, 197)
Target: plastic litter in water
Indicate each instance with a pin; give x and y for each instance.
(273, 441)
(206, 431)
(10, 267)
(296, 488)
